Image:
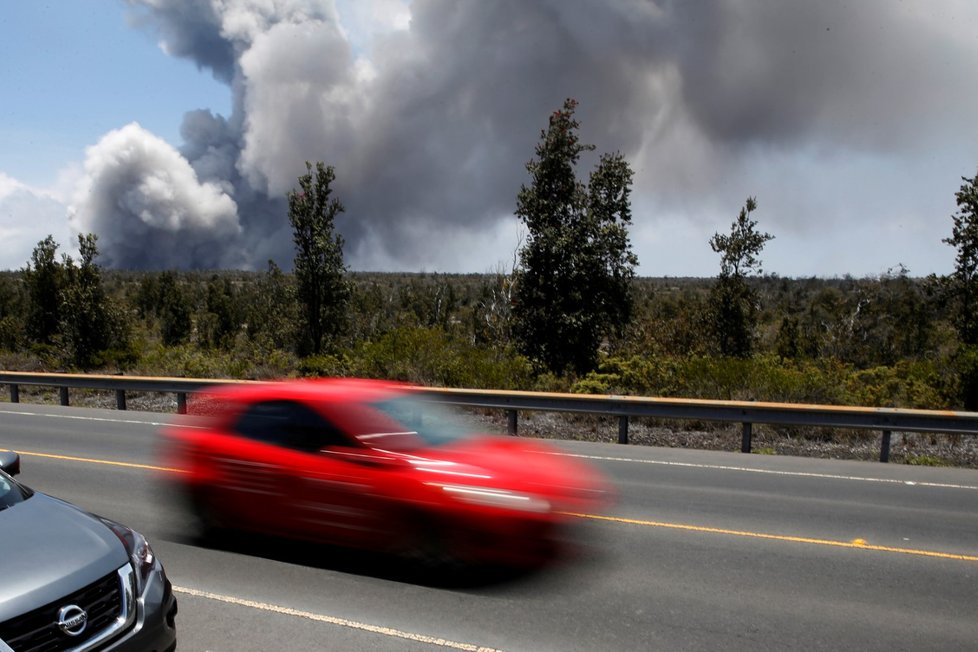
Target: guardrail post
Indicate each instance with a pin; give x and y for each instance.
(120, 399)
(14, 394)
(623, 429)
(885, 447)
(511, 422)
(181, 402)
(64, 395)
(745, 439)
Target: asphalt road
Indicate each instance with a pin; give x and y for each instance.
(702, 551)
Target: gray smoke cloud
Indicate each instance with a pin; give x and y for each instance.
(150, 209)
(429, 131)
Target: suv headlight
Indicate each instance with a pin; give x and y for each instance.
(140, 553)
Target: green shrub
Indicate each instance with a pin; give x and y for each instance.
(925, 460)
(435, 357)
(967, 370)
(325, 365)
(11, 333)
(596, 383)
(907, 384)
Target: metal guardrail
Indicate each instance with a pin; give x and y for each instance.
(747, 413)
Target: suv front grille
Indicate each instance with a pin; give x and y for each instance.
(105, 601)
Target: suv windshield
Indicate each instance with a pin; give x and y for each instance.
(11, 493)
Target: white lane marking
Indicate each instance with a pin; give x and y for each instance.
(77, 417)
(718, 467)
(333, 620)
(81, 418)
(800, 474)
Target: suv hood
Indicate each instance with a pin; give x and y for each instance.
(48, 549)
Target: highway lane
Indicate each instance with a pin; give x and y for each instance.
(709, 550)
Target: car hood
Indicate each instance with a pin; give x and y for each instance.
(518, 465)
(48, 549)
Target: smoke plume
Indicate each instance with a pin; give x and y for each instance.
(430, 122)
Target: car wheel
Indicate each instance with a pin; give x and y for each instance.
(431, 547)
(206, 523)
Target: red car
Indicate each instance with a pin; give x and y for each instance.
(374, 465)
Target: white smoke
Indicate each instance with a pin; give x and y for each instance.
(146, 204)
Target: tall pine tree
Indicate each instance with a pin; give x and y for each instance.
(733, 301)
(321, 285)
(573, 278)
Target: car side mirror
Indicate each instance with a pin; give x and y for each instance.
(10, 462)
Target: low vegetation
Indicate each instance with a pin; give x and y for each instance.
(571, 316)
(885, 341)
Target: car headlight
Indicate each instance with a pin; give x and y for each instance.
(140, 553)
(501, 498)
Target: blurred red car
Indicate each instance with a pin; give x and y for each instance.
(374, 465)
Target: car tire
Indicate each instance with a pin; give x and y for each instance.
(206, 524)
(431, 549)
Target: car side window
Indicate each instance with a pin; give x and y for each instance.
(289, 424)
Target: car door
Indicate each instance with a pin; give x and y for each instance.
(252, 488)
(336, 484)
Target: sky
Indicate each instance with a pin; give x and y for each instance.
(173, 129)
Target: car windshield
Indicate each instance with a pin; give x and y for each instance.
(406, 422)
(11, 493)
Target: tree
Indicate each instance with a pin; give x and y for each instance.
(733, 302)
(271, 309)
(788, 343)
(68, 306)
(962, 287)
(321, 286)
(573, 278)
(223, 314)
(174, 311)
(963, 283)
(12, 310)
(44, 278)
(162, 297)
(86, 320)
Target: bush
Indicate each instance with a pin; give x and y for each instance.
(11, 333)
(926, 460)
(325, 365)
(967, 369)
(906, 384)
(596, 383)
(433, 356)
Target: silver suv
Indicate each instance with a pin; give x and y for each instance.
(70, 580)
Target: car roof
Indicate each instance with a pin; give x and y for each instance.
(305, 389)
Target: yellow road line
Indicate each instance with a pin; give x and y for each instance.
(333, 620)
(89, 460)
(856, 543)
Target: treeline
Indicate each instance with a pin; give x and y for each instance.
(570, 316)
(885, 341)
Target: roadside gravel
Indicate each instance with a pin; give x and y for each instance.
(905, 448)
